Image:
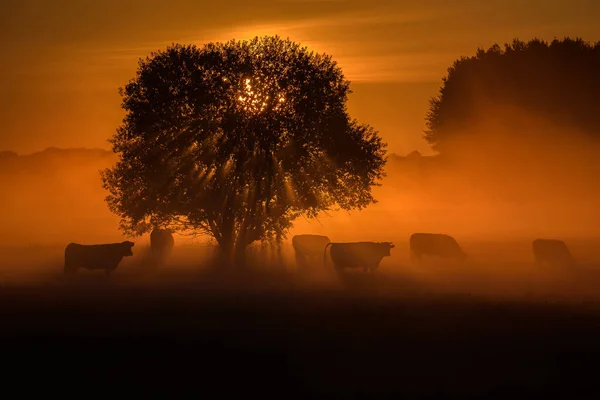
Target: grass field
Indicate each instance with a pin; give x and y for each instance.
(493, 327)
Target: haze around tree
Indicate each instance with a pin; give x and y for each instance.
(236, 140)
(536, 92)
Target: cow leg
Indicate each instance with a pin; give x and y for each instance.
(415, 257)
(338, 269)
(538, 261)
(70, 269)
(300, 262)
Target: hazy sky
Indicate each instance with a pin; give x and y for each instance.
(63, 60)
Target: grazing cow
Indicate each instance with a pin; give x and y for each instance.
(435, 244)
(96, 256)
(554, 252)
(367, 255)
(161, 244)
(308, 246)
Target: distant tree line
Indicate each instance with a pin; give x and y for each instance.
(558, 81)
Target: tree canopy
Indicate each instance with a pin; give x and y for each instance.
(238, 139)
(556, 81)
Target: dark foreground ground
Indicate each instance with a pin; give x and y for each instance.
(287, 340)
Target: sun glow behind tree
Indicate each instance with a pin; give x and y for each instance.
(237, 140)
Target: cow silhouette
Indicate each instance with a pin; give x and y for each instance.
(434, 244)
(552, 251)
(161, 245)
(365, 255)
(96, 256)
(308, 247)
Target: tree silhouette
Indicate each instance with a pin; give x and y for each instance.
(556, 81)
(238, 139)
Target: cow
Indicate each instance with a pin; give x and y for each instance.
(95, 256)
(161, 245)
(366, 255)
(308, 246)
(554, 252)
(435, 244)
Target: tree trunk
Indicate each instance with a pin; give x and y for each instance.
(232, 255)
(277, 251)
(232, 245)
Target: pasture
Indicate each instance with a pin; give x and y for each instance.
(502, 269)
(492, 326)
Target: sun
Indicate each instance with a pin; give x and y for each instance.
(258, 95)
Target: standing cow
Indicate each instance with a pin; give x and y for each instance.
(96, 256)
(366, 255)
(161, 245)
(554, 252)
(308, 247)
(435, 244)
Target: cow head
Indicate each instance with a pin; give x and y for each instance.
(127, 245)
(388, 246)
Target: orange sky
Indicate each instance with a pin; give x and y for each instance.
(63, 60)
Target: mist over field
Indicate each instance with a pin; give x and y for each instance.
(470, 120)
(494, 197)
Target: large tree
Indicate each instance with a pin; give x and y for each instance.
(557, 82)
(238, 139)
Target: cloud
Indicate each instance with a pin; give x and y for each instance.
(346, 20)
(396, 68)
(378, 41)
(362, 57)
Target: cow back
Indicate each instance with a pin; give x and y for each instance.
(551, 250)
(161, 240)
(96, 256)
(310, 244)
(435, 244)
(359, 254)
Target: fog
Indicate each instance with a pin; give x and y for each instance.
(494, 195)
(535, 184)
